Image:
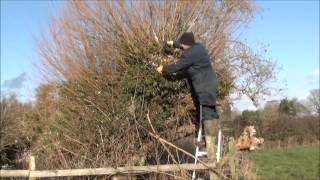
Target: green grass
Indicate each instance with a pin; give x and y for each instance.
(301, 162)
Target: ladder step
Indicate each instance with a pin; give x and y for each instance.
(201, 153)
(204, 159)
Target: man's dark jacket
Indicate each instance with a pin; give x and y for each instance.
(195, 61)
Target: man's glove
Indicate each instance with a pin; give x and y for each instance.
(159, 68)
(174, 44)
(170, 43)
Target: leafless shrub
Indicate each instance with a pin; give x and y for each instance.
(16, 133)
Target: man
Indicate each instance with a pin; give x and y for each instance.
(196, 63)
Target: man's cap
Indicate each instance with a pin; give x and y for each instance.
(187, 38)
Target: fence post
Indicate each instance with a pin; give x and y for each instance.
(32, 166)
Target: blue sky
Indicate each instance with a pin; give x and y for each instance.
(291, 31)
(21, 23)
(289, 28)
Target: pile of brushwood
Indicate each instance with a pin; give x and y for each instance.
(99, 59)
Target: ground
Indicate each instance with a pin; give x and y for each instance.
(300, 162)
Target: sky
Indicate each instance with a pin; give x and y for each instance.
(21, 22)
(289, 29)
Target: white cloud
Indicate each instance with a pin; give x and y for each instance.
(15, 83)
(315, 73)
(22, 86)
(303, 96)
(244, 103)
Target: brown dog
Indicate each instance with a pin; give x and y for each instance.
(248, 141)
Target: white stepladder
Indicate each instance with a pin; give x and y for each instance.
(199, 153)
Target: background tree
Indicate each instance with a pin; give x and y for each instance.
(292, 107)
(313, 101)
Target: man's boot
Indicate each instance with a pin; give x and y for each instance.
(211, 128)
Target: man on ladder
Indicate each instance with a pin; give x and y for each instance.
(195, 61)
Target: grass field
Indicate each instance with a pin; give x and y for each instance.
(301, 162)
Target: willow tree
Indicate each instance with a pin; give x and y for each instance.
(102, 55)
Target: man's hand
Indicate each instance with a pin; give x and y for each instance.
(159, 69)
(170, 43)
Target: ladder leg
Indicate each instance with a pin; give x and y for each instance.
(198, 140)
(196, 160)
(218, 155)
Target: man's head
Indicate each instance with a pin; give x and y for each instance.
(186, 40)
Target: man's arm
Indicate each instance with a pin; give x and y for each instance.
(183, 63)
